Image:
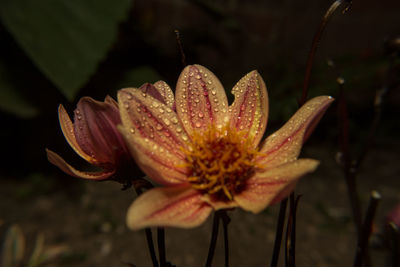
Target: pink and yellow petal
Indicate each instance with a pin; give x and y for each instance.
(67, 128)
(263, 187)
(217, 204)
(285, 144)
(68, 169)
(200, 100)
(160, 164)
(166, 93)
(95, 127)
(147, 117)
(249, 111)
(179, 206)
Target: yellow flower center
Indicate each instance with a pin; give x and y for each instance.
(220, 161)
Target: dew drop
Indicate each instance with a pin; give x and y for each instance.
(174, 120)
(159, 127)
(197, 124)
(201, 114)
(132, 130)
(129, 96)
(178, 129)
(167, 122)
(198, 77)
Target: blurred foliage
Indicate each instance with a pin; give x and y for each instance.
(14, 247)
(66, 39)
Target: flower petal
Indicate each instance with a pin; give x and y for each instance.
(160, 91)
(166, 93)
(262, 188)
(285, 144)
(146, 117)
(179, 206)
(95, 127)
(160, 164)
(67, 128)
(249, 111)
(200, 99)
(68, 169)
(217, 204)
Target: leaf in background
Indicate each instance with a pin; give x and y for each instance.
(13, 247)
(11, 99)
(66, 39)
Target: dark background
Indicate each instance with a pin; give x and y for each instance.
(230, 38)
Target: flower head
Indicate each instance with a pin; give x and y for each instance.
(94, 136)
(206, 154)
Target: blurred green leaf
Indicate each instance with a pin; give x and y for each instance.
(11, 99)
(13, 247)
(66, 39)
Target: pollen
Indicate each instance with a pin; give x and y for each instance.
(220, 161)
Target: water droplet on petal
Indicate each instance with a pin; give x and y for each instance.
(159, 127)
(197, 124)
(201, 114)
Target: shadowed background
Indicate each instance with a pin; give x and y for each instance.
(54, 52)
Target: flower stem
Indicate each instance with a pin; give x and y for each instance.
(180, 47)
(362, 246)
(150, 245)
(213, 241)
(278, 233)
(161, 246)
(225, 221)
(139, 185)
(315, 43)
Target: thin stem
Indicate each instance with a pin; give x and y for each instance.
(314, 46)
(362, 246)
(161, 246)
(213, 241)
(291, 233)
(349, 170)
(395, 244)
(150, 245)
(180, 47)
(278, 233)
(225, 221)
(149, 236)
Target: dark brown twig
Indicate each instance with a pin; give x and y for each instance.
(213, 242)
(364, 235)
(225, 221)
(278, 233)
(161, 246)
(139, 188)
(316, 40)
(180, 47)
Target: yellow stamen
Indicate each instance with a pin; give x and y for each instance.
(220, 161)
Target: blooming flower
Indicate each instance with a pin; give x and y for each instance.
(206, 154)
(94, 136)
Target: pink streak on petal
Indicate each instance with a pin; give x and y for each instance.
(68, 169)
(285, 144)
(166, 93)
(200, 99)
(249, 111)
(263, 187)
(67, 128)
(149, 118)
(159, 164)
(95, 127)
(179, 206)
